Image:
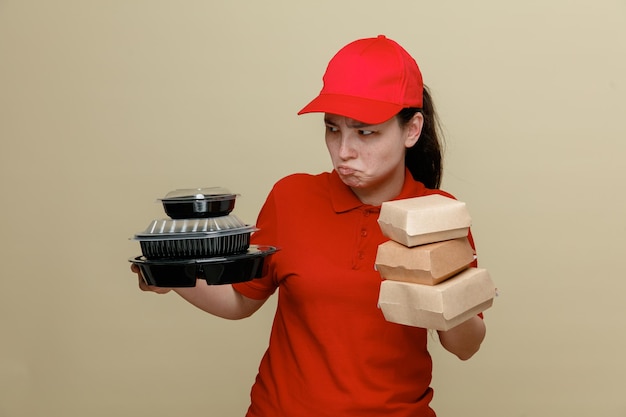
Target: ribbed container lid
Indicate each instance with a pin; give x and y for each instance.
(194, 228)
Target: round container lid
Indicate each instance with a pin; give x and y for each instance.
(194, 228)
(207, 193)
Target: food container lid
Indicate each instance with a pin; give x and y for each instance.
(194, 228)
(191, 194)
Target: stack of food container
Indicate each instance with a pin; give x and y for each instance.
(428, 277)
(200, 239)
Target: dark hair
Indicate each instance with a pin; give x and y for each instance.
(424, 159)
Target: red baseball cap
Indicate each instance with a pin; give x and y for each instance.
(369, 80)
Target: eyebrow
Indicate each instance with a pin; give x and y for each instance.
(353, 124)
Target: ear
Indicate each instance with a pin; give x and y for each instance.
(413, 129)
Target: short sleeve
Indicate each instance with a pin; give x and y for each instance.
(261, 288)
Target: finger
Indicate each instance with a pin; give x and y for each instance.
(140, 279)
(151, 288)
(141, 283)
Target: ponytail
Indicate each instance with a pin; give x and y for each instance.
(424, 159)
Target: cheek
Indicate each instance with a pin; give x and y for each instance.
(331, 146)
(335, 149)
(384, 162)
(385, 155)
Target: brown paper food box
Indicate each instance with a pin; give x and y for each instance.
(422, 220)
(424, 264)
(440, 307)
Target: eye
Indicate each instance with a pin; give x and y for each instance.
(366, 132)
(332, 129)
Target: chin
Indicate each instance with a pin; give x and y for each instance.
(351, 181)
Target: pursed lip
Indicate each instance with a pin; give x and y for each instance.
(345, 170)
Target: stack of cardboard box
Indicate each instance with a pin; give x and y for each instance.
(428, 277)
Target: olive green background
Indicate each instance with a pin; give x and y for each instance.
(105, 106)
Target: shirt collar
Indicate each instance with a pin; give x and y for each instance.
(343, 199)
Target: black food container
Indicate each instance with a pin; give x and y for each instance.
(173, 273)
(194, 238)
(193, 203)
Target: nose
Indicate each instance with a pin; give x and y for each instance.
(346, 147)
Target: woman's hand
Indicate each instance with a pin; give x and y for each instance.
(219, 300)
(142, 283)
(464, 340)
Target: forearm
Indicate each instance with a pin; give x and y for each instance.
(220, 300)
(464, 340)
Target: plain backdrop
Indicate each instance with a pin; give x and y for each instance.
(105, 106)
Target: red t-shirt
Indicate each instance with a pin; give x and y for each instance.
(331, 352)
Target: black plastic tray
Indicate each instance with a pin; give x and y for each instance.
(172, 273)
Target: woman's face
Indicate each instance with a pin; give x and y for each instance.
(370, 158)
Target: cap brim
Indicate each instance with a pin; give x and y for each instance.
(357, 108)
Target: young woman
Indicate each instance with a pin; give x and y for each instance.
(331, 352)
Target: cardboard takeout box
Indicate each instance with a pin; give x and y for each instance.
(422, 220)
(424, 264)
(440, 307)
